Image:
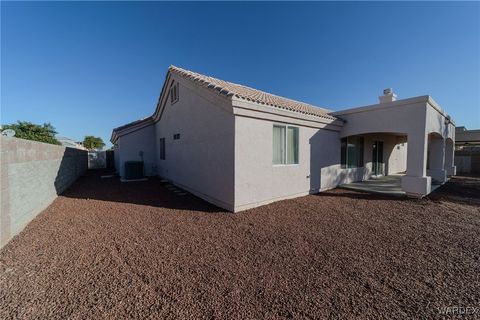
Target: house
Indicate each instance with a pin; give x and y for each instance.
(239, 147)
(465, 138)
(467, 150)
(67, 142)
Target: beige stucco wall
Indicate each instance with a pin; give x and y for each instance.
(202, 160)
(439, 133)
(394, 153)
(435, 122)
(258, 181)
(403, 119)
(129, 147)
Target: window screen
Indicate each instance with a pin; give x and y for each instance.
(285, 145)
(292, 145)
(278, 145)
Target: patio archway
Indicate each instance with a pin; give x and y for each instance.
(436, 158)
(449, 156)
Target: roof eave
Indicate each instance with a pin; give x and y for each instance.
(255, 106)
(420, 99)
(126, 129)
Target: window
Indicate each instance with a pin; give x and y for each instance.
(174, 93)
(351, 152)
(176, 136)
(162, 148)
(285, 145)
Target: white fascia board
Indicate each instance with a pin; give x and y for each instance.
(439, 109)
(119, 133)
(116, 134)
(113, 138)
(398, 103)
(252, 109)
(379, 106)
(163, 97)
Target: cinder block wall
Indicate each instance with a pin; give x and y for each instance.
(32, 175)
(467, 161)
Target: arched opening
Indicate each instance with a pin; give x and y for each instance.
(449, 157)
(436, 158)
(374, 162)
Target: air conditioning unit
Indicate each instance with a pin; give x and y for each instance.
(133, 170)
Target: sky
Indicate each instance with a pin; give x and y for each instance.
(87, 67)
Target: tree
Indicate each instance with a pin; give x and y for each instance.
(30, 131)
(93, 143)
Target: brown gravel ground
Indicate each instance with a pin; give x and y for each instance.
(106, 250)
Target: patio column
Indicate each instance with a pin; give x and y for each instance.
(416, 183)
(449, 156)
(437, 160)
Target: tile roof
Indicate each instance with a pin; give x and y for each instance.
(250, 94)
(133, 123)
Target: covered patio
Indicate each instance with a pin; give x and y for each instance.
(407, 146)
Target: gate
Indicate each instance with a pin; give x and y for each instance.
(97, 160)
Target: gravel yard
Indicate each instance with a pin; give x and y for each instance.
(107, 250)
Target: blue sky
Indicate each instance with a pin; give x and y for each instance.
(88, 67)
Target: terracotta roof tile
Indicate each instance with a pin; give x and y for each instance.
(250, 94)
(133, 123)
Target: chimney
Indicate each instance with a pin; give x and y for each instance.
(388, 96)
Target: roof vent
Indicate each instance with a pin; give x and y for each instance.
(388, 96)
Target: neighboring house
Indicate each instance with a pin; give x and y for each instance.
(67, 142)
(239, 148)
(465, 138)
(467, 150)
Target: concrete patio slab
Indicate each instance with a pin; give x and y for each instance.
(388, 185)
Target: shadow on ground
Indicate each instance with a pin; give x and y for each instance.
(150, 193)
(363, 195)
(459, 189)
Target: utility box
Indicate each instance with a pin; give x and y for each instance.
(133, 170)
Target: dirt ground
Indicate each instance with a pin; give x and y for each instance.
(106, 250)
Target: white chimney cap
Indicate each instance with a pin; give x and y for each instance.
(388, 96)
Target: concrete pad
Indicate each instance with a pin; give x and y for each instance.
(133, 180)
(387, 185)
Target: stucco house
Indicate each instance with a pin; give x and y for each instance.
(239, 147)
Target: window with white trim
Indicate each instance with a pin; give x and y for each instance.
(285, 144)
(174, 93)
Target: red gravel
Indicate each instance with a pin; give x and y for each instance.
(137, 250)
